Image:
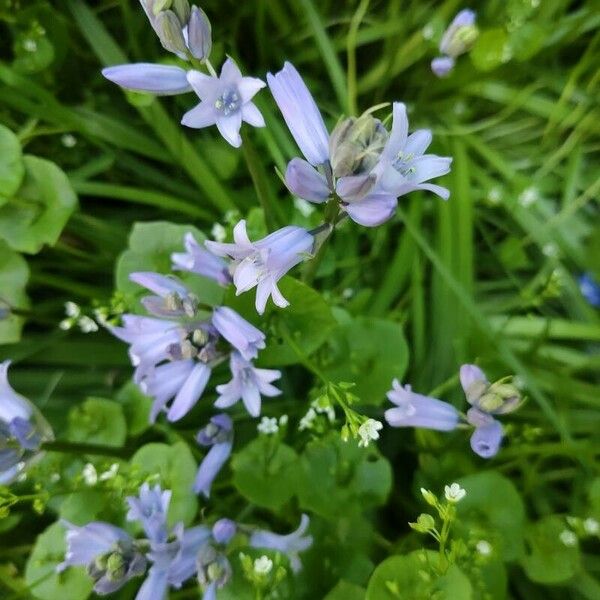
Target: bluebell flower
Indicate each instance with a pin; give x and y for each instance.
(487, 437)
(263, 263)
(458, 38)
(225, 101)
(150, 509)
(197, 259)
(359, 163)
(172, 298)
(290, 545)
(590, 289)
(22, 429)
(214, 571)
(109, 554)
(243, 336)
(218, 436)
(416, 410)
(248, 384)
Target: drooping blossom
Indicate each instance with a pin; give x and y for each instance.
(161, 80)
(109, 554)
(417, 410)
(263, 263)
(458, 38)
(214, 571)
(172, 298)
(218, 436)
(362, 165)
(290, 545)
(196, 259)
(223, 531)
(243, 336)
(225, 101)
(247, 384)
(22, 429)
(150, 509)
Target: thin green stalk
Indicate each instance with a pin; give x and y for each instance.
(351, 42)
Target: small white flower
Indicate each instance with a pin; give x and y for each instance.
(347, 293)
(591, 526)
(483, 547)
(283, 420)
(101, 315)
(66, 324)
(324, 408)
(55, 478)
(550, 250)
(90, 475)
(568, 538)
(494, 196)
(30, 45)
(72, 309)
(306, 422)
(68, 140)
(454, 493)
(112, 472)
(528, 197)
(218, 232)
(368, 431)
(268, 425)
(263, 565)
(87, 325)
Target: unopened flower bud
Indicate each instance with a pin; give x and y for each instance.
(213, 567)
(429, 497)
(199, 34)
(500, 398)
(460, 36)
(181, 8)
(169, 31)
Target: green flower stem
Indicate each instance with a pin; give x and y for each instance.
(82, 448)
(351, 41)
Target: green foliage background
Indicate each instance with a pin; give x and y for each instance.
(490, 276)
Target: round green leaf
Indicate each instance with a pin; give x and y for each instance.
(370, 352)
(265, 472)
(12, 167)
(176, 469)
(493, 508)
(98, 421)
(14, 274)
(346, 591)
(40, 573)
(335, 474)
(548, 560)
(411, 577)
(40, 208)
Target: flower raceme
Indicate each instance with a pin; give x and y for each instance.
(362, 165)
(175, 351)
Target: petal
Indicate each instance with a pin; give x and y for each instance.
(442, 192)
(353, 188)
(155, 586)
(418, 142)
(397, 138)
(211, 465)
(229, 128)
(205, 86)
(246, 275)
(442, 66)
(230, 72)
(146, 77)
(486, 440)
(248, 87)
(263, 291)
(300, 113)
(252, 115)
(372, 210)
(303, 180)
(470, 375)
(202, 115)
(429, 166)
(240, 236)
(251, 398)
(190, 392)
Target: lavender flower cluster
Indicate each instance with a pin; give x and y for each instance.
(168, 556)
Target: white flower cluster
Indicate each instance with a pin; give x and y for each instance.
(74, 317)
(271, 425)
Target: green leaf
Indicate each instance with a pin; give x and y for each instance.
(83, 506)
(335, 474)
(176, 469)
(265, 472)
(40, 208)
(411, 577)
(98, 421)
(527, 40)
(150, 248)
(346, 591)
(494, 510)
(14, 274)
(369, 352)
(136, 407)
(40, 573)
(548, 559)
(12, 168)
(490, 50)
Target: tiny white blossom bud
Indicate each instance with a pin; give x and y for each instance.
(429, 497)
(268, 425)
(112, 472)
(90, 475)
(454, 493)
(87, 325)
(568, 538)
(591, 526)
(72, 309)
(483, 547)
(218, 232)
(283, 420)
(263, 565)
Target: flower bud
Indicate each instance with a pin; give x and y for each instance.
(182, 9)
(199, 34)
(429, 497)
(500, 398)
(169, 32)
(213, 567)
(460, 36)
(356, 144)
